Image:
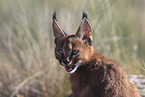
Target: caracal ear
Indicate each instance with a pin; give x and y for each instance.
(58, 32)
(85, 31)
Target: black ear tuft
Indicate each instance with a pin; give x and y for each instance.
(54, 15)
(84, 31)
(85, 14)
(58, 32)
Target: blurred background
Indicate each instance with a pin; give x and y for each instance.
(28, 67)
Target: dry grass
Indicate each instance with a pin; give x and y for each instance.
(27, 63)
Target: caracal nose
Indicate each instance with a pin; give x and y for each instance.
(66, 61)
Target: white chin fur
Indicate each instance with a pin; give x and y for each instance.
(73, 69)
(77, 65)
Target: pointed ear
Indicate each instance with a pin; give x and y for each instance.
(58, 32)
(84, 31)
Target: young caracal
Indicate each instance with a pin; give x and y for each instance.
(91, 73)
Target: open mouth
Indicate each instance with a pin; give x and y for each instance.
(71, 69)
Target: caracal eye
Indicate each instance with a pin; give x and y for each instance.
(75, 52)
(60, 51)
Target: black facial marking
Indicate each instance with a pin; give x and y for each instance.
(71, 36)
(73, 45)
(65, 62)
(70, 57)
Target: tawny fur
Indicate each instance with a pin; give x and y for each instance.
(101, 77)
(96, 76)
